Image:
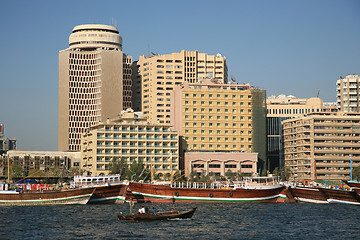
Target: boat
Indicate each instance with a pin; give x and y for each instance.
(109, 189)
(324, 195)
(308, 194)
(174, 214)
(342, 196)
(256, 189)
(353, 184)
(46, 197)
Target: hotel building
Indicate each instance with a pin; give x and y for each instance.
(216, 117)
(91, 84)
(278, 109)
(132, 138)
(322, 145)
(155, 77)
(348, 93)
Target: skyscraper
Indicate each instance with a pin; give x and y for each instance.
(90, 81)
(155, 77)
(348, 93)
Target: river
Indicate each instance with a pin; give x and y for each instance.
(211, 221)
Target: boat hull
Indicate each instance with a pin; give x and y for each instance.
(342, 196)
(47, 197)
(309, 195)
(149, 193)
(156, 217)
(108, 194)
(324, 195)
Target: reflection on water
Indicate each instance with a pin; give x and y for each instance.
(211, 221)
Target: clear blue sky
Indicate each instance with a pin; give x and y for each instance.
(289, 47)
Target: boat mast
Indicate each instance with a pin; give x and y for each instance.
(152, 169)
(171, 168)
(8, 162)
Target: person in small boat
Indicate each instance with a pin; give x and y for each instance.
(141, 210)
(154, 211)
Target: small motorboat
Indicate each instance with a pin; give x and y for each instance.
(158, 216)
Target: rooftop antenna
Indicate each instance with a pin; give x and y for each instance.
(318, 93)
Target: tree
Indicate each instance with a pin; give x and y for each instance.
(76, 171)
(193, 176)
(138, 171)
(36, 173)
(16, 171)
(356, 173)
(285, 174)
(230, 175)
(119, 167)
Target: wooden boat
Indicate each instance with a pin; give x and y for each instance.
(342, 196)
(353, 184)
(174, 214)
(109, 189)
(244, 191)
(324, 195)
(114, 193)
(46, 197)
(308, 194)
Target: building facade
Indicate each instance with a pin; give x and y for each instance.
(322, 146)
(278, 109)
(156, 76)
(6, 144)
(127, 82)
(220, 162)
(348, 93)
(212, 116)
(90, 81)
(39, 160)
(132, 138)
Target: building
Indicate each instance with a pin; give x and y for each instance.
(91, 81)
(212, 116)
(132, 138)
(330, 107)
(290, 106)
(281, 108)
(43, 161)
(127, 82)
(220, 162)
(348, 93)
(6, 144)
(322, 145)
(155, 77)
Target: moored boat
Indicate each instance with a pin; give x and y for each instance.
(308, 194)
(250, 190)
(324, 195)
(46, 197)
(109, 189)
(353, 184)
(174, 214)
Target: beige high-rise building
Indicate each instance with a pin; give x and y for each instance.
(348, 93)
(132, 138)
(322, 145)
(155, 77)
(212, 116)
(290, 106)
(90, 81)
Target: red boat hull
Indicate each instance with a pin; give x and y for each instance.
(150, 193)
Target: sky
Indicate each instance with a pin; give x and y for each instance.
(298, 48)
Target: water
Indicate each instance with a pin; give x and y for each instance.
(211, 221)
